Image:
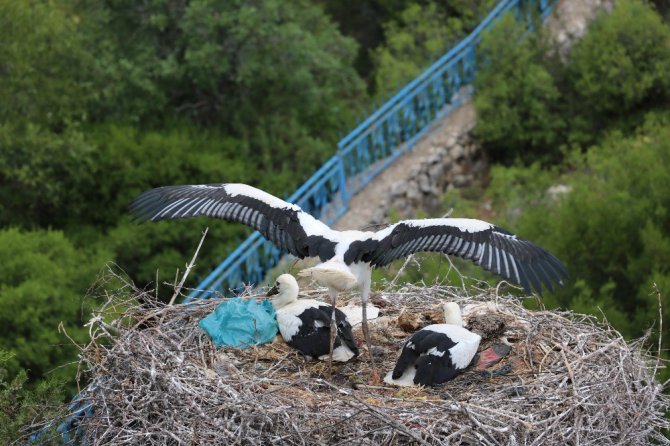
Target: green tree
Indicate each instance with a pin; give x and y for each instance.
(45, 71)
(418, 36)
(22, 406)
(43, 283)
(619, 67)
(518, 102)
(611, 228)
(230, 63)
(44, 176)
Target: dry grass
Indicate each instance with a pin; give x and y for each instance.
(157, 379)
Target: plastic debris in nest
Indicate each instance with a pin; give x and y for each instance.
(241, 323)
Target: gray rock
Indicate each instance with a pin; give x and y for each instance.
(413, 192)
(425, 185)
(461, 180)
(398, 189)
(457, 152)
(436, 171)
(479, 167)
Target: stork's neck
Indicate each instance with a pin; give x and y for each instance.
(286, 296)
(452, 314)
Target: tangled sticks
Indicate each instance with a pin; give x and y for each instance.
(158, 379)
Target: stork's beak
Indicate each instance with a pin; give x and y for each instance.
(272, 291)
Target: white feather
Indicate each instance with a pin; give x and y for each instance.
(287, 316)
(464, 224)
(332, 274)
(406, 380)
(354, 313)
(466, 346)
(340, 354)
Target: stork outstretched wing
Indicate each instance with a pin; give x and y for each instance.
(491, 247)
(284, 224)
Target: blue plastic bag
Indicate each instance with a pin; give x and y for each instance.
(241, 323)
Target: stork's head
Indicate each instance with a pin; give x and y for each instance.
(285, 291)
(452, 314)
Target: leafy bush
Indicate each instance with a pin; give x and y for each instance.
(611, 229)
(129, 161)
(45, 75)
(518, 102)
(419, 36)
(44, 176)
(21, 406)
(531, 105)
(620, 65)
(44, 279)
(228, 63)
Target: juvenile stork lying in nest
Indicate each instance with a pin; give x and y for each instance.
(348, 256)
(436, 353)
(305, 324)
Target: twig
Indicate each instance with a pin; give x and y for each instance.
(660, 327)
(188, 268)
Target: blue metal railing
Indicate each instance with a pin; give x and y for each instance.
(385, 135)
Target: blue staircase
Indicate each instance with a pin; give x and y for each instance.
(386, 134)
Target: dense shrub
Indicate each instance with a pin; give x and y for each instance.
(44, 279)
(531, 105)
(21, 405)
(517, 97)
(44, 176)
(46, 75)
(418, 36)
(612, 229)
(203, 92)
(234, 64)
(620, 66)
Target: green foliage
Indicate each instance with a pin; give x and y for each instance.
(532, 105)
(515, 187)
(21, 406)
(127, 161)
(418, 38)
(517, 97)
(244, 67)
(44, 176)
(203, 92)
(419, 35)
(153, 252)
(363, 20)
(43, 281)
(611, 228)
(45, 73)
(234, 90)
(621, 64)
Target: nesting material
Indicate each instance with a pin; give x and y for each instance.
(567, 380)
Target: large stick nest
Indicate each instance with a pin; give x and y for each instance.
(156, 378)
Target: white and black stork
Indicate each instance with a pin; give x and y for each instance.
(436, 353)
(305, 323)
(348, 256)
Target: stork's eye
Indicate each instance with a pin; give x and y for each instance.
(276, 283)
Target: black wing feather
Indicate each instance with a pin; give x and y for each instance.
(345, 331)
(410, 353)
(494, 249)
(275, 219)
